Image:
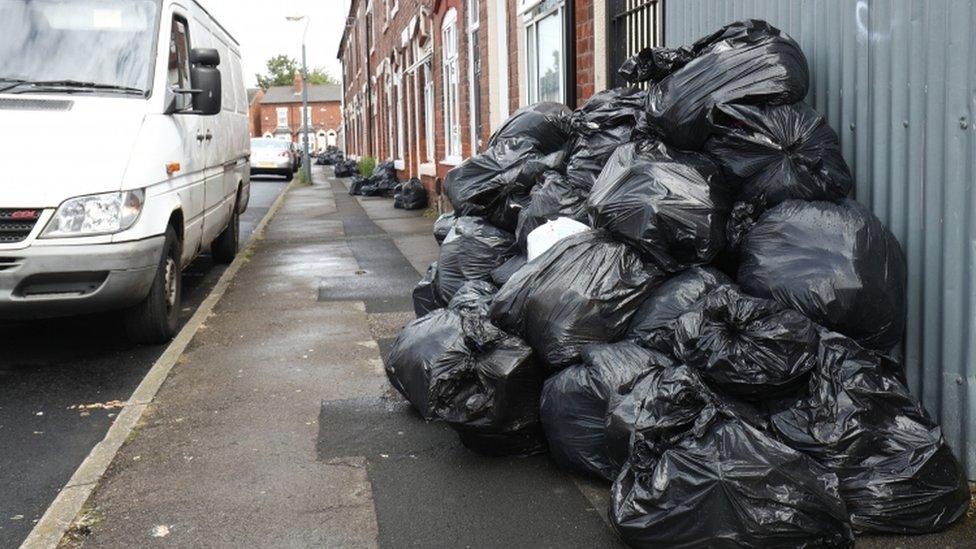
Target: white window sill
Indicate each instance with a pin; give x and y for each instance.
(452, 161)
(428, 169)
(399, 164)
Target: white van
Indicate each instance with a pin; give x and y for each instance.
(146, 101)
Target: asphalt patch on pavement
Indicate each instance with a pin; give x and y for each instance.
(430, 491)
(386, 279)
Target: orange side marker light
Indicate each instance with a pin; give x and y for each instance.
(172, 167)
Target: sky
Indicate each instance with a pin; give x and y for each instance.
(261, 28)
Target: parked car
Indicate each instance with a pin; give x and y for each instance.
(272, 156)
(150, 95)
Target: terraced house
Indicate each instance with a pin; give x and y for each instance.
(426, 82)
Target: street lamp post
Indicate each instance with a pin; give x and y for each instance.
(306, 161)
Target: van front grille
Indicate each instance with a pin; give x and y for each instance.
(16, 225)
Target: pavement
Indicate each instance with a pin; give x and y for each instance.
(277, 427)
(48, 367)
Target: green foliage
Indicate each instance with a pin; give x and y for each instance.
(282, 69)
(366, 166)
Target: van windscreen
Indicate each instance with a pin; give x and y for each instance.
(77, 46)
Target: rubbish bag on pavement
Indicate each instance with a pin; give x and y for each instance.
(760, 64)
(346, 168)
(547, 235)
(474, 297)
(496, 183)
(583, 290)
(454, 365)
(773, 153)
(606, 121)
(503, 272)
(412, 196)
(356, 186)
(425, 297)
(443, 225)
(721, 482)
(551, 199)
(472, 252)
(897, 474)
(547, 123)
(671, 205)
(576, 400)
(835, 263)
(652, 323)
(746, 346)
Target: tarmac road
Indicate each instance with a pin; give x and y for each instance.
(47, 367)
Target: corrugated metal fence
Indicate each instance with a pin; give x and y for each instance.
(897, 81)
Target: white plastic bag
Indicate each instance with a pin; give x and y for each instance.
(543, 238)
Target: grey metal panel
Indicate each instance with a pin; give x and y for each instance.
(897, 81)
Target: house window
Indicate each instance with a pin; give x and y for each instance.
(389, 116)
(474, 74)
(282, 117)
(452, 119)
(429, 109)
(545, 52)
(178, 75)
(400, 137)
(394, 8)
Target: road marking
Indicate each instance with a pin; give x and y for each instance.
(49, 531)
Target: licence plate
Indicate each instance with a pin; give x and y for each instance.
(266, 164)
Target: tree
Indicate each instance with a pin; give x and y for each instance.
(282, 69)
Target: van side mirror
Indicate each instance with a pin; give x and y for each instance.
(205, 81)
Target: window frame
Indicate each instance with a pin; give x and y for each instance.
(532, 15)
(450, 66)
(278, 113)
(184, 101)
(473, 24)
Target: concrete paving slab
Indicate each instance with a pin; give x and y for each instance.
(420, 250)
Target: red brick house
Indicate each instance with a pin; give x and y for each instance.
(425, 82)
(280, 116)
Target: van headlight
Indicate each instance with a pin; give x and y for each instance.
(95, 214)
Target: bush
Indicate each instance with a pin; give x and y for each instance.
(366, 166)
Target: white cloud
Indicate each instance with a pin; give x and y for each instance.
(261, 28)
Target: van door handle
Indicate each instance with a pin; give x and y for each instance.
(209, 136)
(200, 137)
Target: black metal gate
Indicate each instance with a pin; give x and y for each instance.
(632, 25)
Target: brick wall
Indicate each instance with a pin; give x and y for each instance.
(584, 50)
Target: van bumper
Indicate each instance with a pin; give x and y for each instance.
(52, 281)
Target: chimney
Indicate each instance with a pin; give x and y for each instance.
(297, 83)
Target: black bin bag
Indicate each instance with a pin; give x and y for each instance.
(748, 62)
(503, 272)
(553, 198)
(425, 297)
(472, 250)
(575, 403)
(671, 205)
(835, 263)
(582, 290)
(546, 123)
(652, 323)
(443, 225)
(496, 183)
(773, 153)
(412, 196)
(474, 297)
(698, 475)
(897, 474)
(427, 348)
(745, 346)
(456, 366)
(606, 121)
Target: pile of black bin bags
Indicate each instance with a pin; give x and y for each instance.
(722, 344)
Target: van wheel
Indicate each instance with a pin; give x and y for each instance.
(156, 319)
(224, 247)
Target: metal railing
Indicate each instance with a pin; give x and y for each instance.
(633, 25)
